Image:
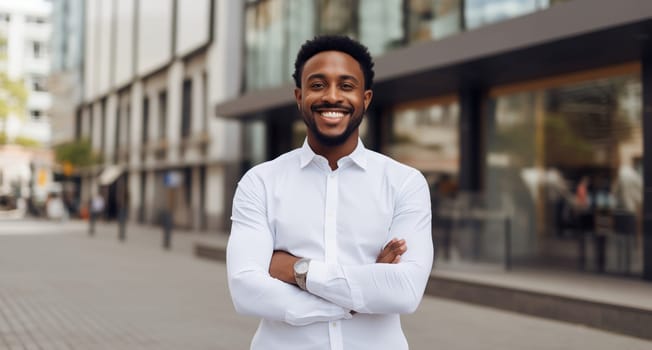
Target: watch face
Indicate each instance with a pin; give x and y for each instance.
(301, 266)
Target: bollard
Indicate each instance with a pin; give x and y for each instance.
(508, 244)
(91, 224)
(167, 231)
(122, 221)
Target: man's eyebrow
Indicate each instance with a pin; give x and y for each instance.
(341, 77)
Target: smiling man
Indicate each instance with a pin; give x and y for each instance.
(331, 242)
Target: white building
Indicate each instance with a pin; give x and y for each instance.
(26, 27)
(152, 69)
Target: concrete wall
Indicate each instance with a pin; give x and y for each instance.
(192, 25)
(124, 42)
(154, 34)
(90, 53)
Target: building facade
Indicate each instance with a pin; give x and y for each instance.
(529, 118)
(66, 80)
(152, 69)
(25, 163)
(26, 27)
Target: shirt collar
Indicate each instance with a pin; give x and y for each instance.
(358, 156)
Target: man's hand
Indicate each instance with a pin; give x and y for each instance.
(392, 252)
(282, 266)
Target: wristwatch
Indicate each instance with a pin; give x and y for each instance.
(301, 272)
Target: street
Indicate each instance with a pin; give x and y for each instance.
(61, 289)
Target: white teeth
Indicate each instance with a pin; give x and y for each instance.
(332, 114)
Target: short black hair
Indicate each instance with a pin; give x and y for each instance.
(335, 43)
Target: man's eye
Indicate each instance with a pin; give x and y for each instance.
(347, 87)
(316, 85)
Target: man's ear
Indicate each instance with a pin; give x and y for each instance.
(368, 94)
(297, 96)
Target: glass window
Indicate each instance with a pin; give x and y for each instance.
(570, 158)
(255, 145)
(275, 29)
(39, 83)
(433, 19)
(186, 108)
(381, 25)
(36, 19)
(338, 17)
(426, 137)
(478, 13)
(265, 45)
(163, 114)
(35, 114)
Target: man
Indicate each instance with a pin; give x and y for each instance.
(313, 248)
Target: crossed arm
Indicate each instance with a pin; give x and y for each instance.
(262, 280)
(282, 265)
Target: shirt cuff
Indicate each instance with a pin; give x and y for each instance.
(305, 314)
(330, 282)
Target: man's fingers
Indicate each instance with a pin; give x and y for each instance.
(393, 249)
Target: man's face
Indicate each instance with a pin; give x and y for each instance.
(332, 98)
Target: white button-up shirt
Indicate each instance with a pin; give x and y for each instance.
(341, 220)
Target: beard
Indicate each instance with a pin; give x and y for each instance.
(335, 140)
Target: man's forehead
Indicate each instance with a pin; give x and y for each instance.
(332, 62)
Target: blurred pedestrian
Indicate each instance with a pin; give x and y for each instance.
(314, 248)
(97, 207)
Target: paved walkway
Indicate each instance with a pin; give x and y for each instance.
(60, 289)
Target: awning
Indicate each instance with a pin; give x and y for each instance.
(110, 174)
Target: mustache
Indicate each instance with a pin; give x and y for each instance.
(327, 105)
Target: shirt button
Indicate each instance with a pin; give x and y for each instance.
(334, 324)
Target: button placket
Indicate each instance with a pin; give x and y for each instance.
(330, 246)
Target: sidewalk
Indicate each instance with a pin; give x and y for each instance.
(614, 304)
(61, 289)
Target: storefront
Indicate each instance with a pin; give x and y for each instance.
(530, 135)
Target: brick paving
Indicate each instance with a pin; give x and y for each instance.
(63, 290)
(60, 289)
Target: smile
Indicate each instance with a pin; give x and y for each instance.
(333, 114)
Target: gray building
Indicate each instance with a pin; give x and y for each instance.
(151, 71)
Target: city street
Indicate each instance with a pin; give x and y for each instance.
(61, 289)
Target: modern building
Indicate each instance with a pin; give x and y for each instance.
(152, 71)
(529, 118)
(25, 163)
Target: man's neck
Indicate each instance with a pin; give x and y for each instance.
(334, 153)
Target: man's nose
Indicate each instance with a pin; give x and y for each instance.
(332, 95)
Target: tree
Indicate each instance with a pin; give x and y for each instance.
(77, 153)
(13, 95)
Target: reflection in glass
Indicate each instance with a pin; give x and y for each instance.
(338, 17)
(381, 25)
(433, 19)
(478, 13)
(570, 157)
(426, 138)
(275, 29)
(255, 145)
